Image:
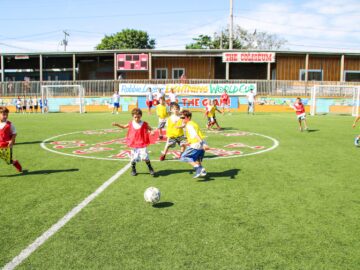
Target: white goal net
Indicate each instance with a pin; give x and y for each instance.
(57, 98)
(343, 99)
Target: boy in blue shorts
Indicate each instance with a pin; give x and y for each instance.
(194, 153)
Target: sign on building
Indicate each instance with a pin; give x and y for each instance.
(248, 57)
(132, 61)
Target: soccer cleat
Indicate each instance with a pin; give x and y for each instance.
(152, 172)
(162, 157)
(17, 166)
(133, 172)
(198, 172)
(203, 172)
(356, 142)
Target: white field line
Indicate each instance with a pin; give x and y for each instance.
(58, 225)
(43, 145)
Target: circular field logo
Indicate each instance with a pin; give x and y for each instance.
(110, 144)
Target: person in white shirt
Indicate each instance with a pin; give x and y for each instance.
(159, 95)
(172, 96)
(116, 102)
(251, 101)
(149, 100)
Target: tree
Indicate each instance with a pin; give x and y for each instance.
(127, 39)
(242, 39)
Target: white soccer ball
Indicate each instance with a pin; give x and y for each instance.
(152, 195)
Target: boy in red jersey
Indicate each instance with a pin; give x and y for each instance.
(225, 101)
(300, 113)
(138, 139)
(7, 139)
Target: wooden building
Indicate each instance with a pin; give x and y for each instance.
(171, 65)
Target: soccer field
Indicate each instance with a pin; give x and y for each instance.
(274, 197)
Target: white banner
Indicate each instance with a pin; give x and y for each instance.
(233, 89)
(253, 57)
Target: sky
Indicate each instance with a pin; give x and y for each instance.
(308, 25)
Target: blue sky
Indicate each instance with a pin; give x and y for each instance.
(32, 26)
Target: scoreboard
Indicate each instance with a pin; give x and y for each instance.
(132, 61)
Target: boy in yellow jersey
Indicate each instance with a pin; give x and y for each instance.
(162, 114)
(194, 153)
(174, 134)
(210, 113)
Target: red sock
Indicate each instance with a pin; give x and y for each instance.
(17, 165)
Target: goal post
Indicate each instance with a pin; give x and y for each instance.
(323, 96)
(54, 97)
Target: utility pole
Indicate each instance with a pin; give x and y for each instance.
(227, 66)
(65, 42)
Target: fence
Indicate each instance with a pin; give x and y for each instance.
(102, 88)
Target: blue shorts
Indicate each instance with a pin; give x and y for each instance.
(192, 155)
(116, 105)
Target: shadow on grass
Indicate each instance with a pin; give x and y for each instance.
(212, 175)
(44, 172)
(169, 172)
(34, 142)
(313, 130)
(163, 205)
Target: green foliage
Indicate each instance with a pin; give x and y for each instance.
(127, 39)
(242, 39)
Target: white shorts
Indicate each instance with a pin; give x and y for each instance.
(301, 116)
(139, 154)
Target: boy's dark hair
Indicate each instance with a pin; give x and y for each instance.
(174, 105)
(136, 111)
(3, 109)
(186, 113)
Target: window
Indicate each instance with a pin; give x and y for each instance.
(313, 75)
(352, 76)
(177, 72)
(161, 73)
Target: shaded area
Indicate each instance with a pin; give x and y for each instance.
(313, 130)
(169, 172)
(212, 175)
(34, 142)
(44, 172)
(163, 205)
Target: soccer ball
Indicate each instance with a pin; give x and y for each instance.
(152, 195)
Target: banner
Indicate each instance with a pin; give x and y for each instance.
(233, 89)
(253, 57)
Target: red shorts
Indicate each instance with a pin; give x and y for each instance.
(149, 103)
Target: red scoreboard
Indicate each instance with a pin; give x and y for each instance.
(132, 61)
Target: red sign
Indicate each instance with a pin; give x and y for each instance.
(253, 57)
(132, 61)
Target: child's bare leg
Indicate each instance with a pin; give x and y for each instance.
(300, 126)
(305, 124)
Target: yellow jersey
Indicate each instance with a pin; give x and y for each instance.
(211, 111)
(161, 111)
(171, 130)
(191, 138)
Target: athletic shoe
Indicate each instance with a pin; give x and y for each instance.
(17, 166)
(198, 172)
(357, 141)
(203, 172)
(162, 157)
(151, 171)
(133, 173)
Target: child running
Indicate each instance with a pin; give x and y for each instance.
(210, 114)
(194, 153)
(162, 113)
(138, 139)
(174, 132)
(7, 139)
(357, 139)
(299, 108)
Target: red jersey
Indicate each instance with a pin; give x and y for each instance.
(224, 98)
(5, 135)
(299, 107)
(138, 138)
